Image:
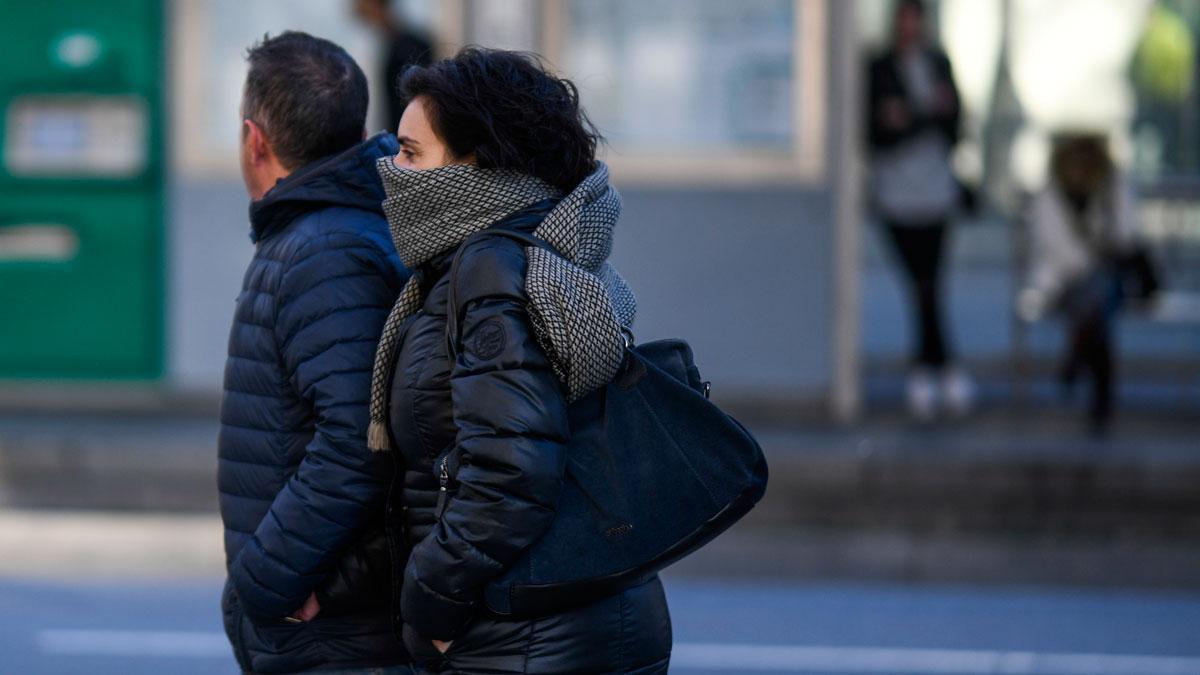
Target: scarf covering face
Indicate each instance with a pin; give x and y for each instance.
(579, 306)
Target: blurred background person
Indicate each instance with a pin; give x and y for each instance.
(913, 109)
(1085, 259)
(404, 47)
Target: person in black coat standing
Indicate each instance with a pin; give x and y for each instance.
(491, 140)
(913, 117)
(403, 45)
(301, 496)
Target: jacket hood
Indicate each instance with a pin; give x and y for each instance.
(347, 179)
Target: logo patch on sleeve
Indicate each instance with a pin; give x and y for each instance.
(490, 339)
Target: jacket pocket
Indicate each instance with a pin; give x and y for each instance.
(362, 576)
(422, 651)
(231, 610)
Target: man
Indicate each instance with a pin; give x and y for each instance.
(301, 496)
(913, 109)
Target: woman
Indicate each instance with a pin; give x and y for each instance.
(489, 140)
(913, 125)
(1085, 259)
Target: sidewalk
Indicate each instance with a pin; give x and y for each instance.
(97, 546)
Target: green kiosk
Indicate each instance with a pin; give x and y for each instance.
(81, 190)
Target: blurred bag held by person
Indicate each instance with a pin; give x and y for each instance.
(1085, 259)
(550, 467)
(913, 118)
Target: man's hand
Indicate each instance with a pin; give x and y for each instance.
(309, 610)
(442, 646)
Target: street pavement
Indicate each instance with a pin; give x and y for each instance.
(131, 627)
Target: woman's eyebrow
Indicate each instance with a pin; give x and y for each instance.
(406, 140)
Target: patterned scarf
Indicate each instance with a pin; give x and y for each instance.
(580, 308)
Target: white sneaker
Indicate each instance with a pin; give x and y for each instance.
(922, 395)
(958, 391)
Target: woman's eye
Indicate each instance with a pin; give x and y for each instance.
(408, 154)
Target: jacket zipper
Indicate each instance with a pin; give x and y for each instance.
(444, 481)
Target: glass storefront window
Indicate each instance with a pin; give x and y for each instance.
(210, 66)
(697, 90)
(685, 76)
(684, 90)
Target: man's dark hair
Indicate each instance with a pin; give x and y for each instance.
(307, 94)
(509, 111)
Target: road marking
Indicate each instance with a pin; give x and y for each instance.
(179, 644)
(744, 657)
(701, 656)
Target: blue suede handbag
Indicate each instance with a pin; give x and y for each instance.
(654, 471)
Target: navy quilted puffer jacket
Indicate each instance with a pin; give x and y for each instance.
(301, 496)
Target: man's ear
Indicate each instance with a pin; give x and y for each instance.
(256, 141)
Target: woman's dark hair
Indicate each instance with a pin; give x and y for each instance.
(1080, 162)
(507, 110)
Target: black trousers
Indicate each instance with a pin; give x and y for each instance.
(919, 248)
(1090, 305)
(1090, 347)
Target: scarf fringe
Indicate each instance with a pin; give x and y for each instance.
(377, 437)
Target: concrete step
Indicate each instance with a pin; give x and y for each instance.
(1003, 496)
(929, 490)
(151, 545)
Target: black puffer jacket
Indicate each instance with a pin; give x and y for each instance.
(496, 421)
(301, 495)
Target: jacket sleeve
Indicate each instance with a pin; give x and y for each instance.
(508, 462)
(878, 134)
(884, 86)
(354, 584)
(947, 122)
(1056, 255)
(334, 295)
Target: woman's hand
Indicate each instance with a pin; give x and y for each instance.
(442, 646)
